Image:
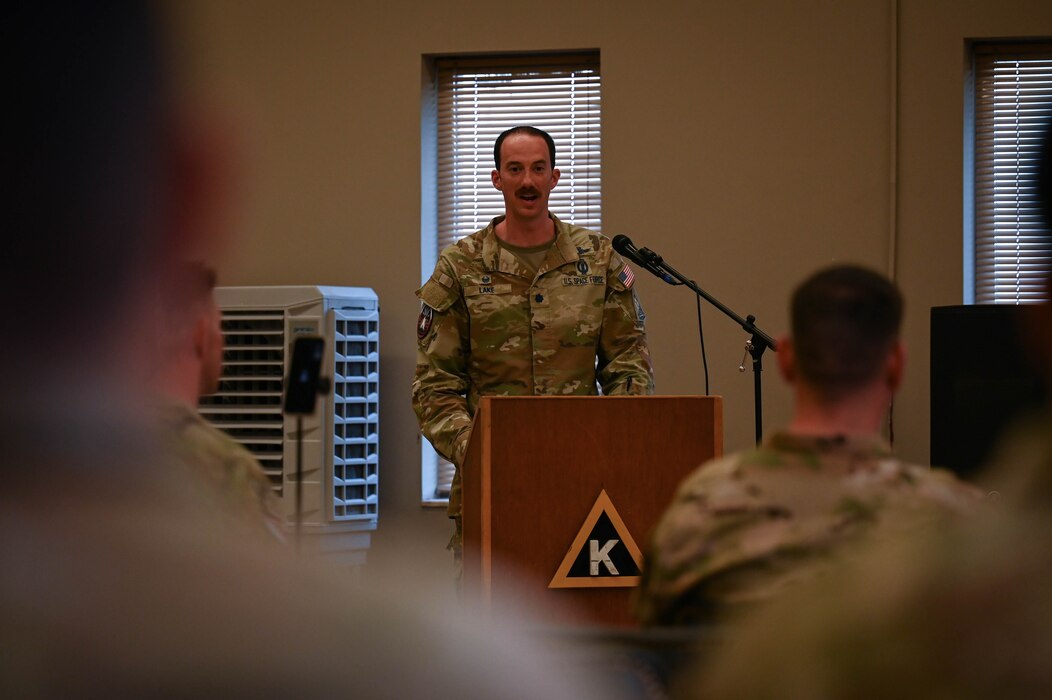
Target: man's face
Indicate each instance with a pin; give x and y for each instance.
(526, 176)
(211, 350)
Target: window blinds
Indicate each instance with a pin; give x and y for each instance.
(477, 99)
(1013, 102)
(480, 98)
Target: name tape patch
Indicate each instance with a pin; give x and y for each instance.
(577, 281)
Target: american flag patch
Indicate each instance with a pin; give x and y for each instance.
(626, 276)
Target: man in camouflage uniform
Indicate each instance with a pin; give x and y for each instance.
(743, 528)
(963, 612)
(191, 356)
(529, 305)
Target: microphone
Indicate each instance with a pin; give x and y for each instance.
(651, 263)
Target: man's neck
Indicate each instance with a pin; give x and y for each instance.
(180, 381)
(526, 233)
(860, 414)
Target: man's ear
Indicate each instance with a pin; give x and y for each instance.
(495, 177)
(555, 177)
(786, 355)
(896, 366)
(200, 336)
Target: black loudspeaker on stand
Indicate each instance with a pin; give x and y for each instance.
(302, 387)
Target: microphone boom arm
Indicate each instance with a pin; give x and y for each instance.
(748, 324)
(758, 340)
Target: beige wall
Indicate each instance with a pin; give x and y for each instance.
(747, 142)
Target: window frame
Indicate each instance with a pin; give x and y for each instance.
(985, 162)
(432, 238)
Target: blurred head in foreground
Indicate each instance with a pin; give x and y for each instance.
(108, 181)
(93, 191)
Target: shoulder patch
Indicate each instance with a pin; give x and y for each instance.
(423, 324)
(641, 316)
(626, 276)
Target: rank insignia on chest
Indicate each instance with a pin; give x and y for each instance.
(486, 279)
(582, 267)
(423, 324)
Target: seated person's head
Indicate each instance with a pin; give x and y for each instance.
(845, 332)
(190, 337)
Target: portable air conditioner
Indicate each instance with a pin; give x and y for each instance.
(340, 441)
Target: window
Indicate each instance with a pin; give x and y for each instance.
(1012, 102)
(467, 103)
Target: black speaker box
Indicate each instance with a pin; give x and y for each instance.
(981, 381)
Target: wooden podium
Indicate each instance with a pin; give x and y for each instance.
(560, 494)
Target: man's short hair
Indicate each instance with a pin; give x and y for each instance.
(531, 131)
(845, 320)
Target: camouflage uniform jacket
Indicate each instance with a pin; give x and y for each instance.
(963, 612)
(489, 327)
(231, 479)
(743, 528)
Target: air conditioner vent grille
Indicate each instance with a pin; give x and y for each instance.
(247, 406)
(340, 448)
(356, 382)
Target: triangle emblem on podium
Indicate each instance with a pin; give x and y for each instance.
(603, 555)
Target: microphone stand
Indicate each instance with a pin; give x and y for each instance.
(755, 346)
(302, 386)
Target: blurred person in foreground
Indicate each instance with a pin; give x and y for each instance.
(190, 364)
(963, 612)
(744, 528)
(114, 581)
